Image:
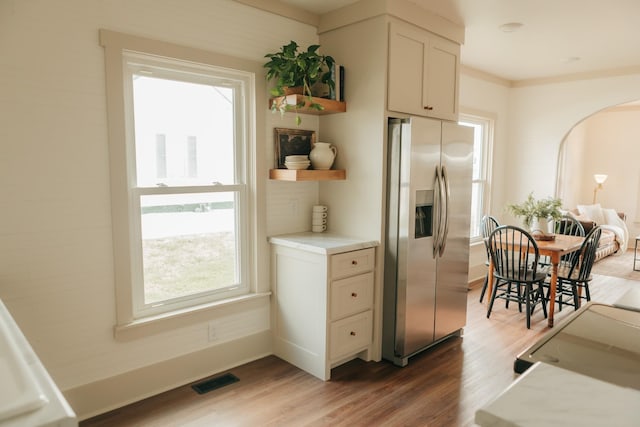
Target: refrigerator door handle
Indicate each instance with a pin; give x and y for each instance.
(437, 202)
(447, 194)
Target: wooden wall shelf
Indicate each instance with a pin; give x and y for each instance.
(307, 175)
(331, 106)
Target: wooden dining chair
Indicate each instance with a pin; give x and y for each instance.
(569, 226)
(487, 225)
(574, 272)
(515, 258)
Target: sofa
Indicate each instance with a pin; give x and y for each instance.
(615, 235)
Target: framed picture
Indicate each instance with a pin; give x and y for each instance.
(292, 142)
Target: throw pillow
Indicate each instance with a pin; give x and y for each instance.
(592, 211)
(587, 223)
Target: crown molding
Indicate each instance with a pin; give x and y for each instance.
(483, 75)
(283, 9)
(589, 75)
(565, 78)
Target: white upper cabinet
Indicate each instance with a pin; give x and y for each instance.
(423, 73)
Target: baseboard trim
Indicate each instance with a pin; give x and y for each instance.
(475, 283)
(111, 393)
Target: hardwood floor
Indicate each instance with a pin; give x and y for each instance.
(443, 386)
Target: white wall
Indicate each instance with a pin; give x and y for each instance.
(359, 133)
(540, 117)
(56, 268)
(606, 142)
(572, 188)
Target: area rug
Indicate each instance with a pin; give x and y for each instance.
(618, 266)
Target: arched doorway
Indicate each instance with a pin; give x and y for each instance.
(607, 142)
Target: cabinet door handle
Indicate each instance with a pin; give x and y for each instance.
(354, 262)
(354, 294)
(428, 107)
(352, 333)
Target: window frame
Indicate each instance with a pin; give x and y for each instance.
(136, 63)
(487, 121)
(122, 163)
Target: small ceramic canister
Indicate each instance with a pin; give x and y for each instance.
(318, 228)
(319, 218)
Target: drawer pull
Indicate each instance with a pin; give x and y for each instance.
(352, 333)
(428, 107)
(354, 294)
(354, 262)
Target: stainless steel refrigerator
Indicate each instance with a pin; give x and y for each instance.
(427, 234)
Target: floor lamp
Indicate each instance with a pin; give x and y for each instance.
(600, 179)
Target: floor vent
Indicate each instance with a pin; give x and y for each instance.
(215, 383)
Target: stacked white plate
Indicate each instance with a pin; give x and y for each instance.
(297, 162)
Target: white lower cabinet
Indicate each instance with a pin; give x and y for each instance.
(323, 307)
(350, 334)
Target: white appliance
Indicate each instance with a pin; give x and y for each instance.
(427, 251)
(28, 395)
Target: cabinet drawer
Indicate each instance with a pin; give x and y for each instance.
(350, 335)
(352, 263)
(351, 295)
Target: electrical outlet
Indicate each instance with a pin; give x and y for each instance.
(212, 332)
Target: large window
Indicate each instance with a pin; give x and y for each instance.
(189, 192)
(481, 184)
(181, 182)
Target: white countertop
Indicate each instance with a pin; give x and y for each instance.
(546, 395)
(28, 395)
(322, 243)
(629, 301)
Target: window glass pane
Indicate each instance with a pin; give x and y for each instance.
(477, 148)
(184, 132)
(480, 186)
(188, 244)
(476, 208)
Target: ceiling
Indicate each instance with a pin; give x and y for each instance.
(557, 38)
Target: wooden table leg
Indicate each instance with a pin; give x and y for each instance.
(553, 284)
(490, 279)
(578, 303)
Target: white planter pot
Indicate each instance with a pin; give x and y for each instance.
(539, 225)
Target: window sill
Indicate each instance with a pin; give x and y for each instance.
(144, 327)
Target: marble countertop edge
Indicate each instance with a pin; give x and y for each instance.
(322, 243)
(548, 395)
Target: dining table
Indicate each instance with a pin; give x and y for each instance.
(554, 248)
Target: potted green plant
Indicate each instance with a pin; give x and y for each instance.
(291, 68)
(536, 212)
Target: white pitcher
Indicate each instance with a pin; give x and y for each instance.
(322, 155)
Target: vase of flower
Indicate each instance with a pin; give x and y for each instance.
(536, 213)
